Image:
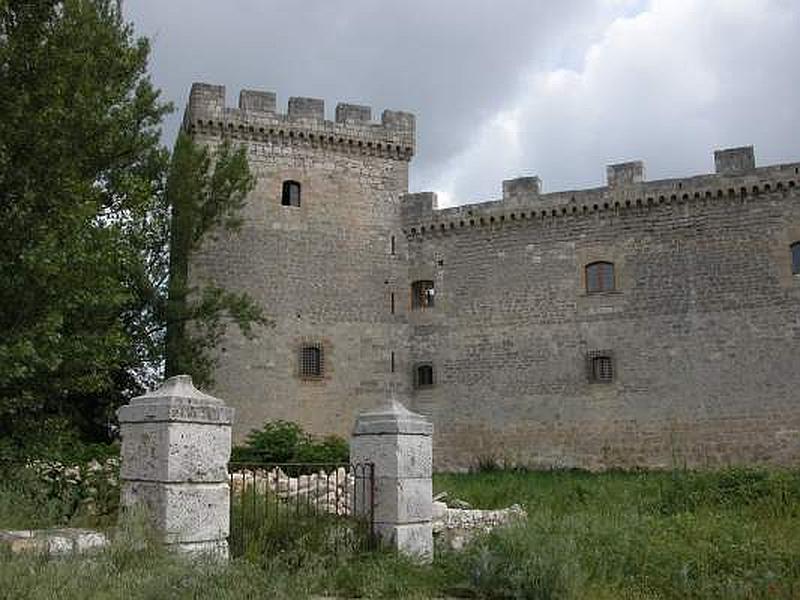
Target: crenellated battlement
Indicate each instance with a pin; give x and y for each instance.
(257, 118)
(736, 178)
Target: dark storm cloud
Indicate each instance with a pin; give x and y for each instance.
(557, 88)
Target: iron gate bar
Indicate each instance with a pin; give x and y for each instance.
(329, 494)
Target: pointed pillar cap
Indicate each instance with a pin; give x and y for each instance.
(176, 401)
(392, 417)
(178, 387)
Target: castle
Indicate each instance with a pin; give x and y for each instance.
(639, 324)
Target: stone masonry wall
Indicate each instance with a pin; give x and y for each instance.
(703, 327)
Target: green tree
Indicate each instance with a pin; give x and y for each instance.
(85, 221)
(204, 198)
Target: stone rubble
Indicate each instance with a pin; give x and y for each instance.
(457, 526)
(329, 492)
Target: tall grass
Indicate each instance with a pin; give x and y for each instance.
(731, 534)
(263, 523)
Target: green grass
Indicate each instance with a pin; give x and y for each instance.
(730, 534)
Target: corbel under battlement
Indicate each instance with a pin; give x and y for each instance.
(304, 121)
(736, 177)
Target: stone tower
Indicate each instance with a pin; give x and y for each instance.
(317, 250)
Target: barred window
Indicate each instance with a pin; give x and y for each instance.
(424, 375)
(600, 366)
(796, 258)
(291, 193)
(422, 294)
(599, 277)
(311, 361)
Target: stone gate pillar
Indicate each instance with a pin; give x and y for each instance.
(399, 443)
(176, 443)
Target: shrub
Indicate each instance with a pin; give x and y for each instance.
(286, 442)
(52, 438)
(45, 493)
(330, 449)
(276, 442)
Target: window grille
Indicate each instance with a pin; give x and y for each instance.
(796, 258)
(422, 295)
(424, 376)
(599, 277)
(291, 193)
(311, 361)
(600, 366)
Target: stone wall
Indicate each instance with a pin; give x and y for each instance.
(703, 327)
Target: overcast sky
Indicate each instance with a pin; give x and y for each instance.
(504, 88)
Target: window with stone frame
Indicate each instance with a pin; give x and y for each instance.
(291, 193)
(311, 361)
(422, 294)
(600, 277)
(424, 376)
(600, 366)
(796, 258)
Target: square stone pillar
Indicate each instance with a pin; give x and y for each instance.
(176, 443)
(399, 443)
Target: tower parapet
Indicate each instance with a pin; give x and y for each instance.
(513, 189)
(625, 173)
(734, 160)
(256, 118)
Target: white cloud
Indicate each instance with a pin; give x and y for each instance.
(667, 85)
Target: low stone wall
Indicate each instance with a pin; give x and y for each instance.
(457, 526)
(53, 542)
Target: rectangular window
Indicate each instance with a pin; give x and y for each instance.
(424, 376)
(600, 366)
(311, 362)
(422, 295)
(599, 277)
(290, 195)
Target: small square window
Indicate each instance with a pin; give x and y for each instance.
(424, 376)
(600, 366)
(423, 295)
(311, 361)
(290, 195)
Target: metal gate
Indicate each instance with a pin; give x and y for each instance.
(317, 506)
